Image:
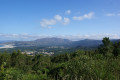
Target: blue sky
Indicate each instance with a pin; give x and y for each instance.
(71, 19)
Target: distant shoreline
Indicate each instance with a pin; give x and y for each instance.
(7, 46)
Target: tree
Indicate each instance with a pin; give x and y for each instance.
(2, 72)
(106, 41)
(5, 58)
(116, 50)
(13, 58)
(107, 47)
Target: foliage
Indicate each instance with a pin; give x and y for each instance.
(100, 64)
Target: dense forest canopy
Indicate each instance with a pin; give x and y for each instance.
(100, 64)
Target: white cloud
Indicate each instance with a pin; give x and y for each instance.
(110, 14)
(58, 17)
(71, 37)
(78, 18)
(66, 21)
(21, 37)
(47, 23)
(68, 12)
(92, 36)
(85, 16)
(89, 15)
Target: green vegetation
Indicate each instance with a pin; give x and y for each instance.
(100, 64)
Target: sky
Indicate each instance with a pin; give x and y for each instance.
(70, 19)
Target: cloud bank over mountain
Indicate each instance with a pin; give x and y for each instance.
(70, 37)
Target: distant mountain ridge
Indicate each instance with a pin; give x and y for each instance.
(87, 43)
(44, 42)
(59, 42)
(53, 41)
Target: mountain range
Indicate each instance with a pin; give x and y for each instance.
(59, 42)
